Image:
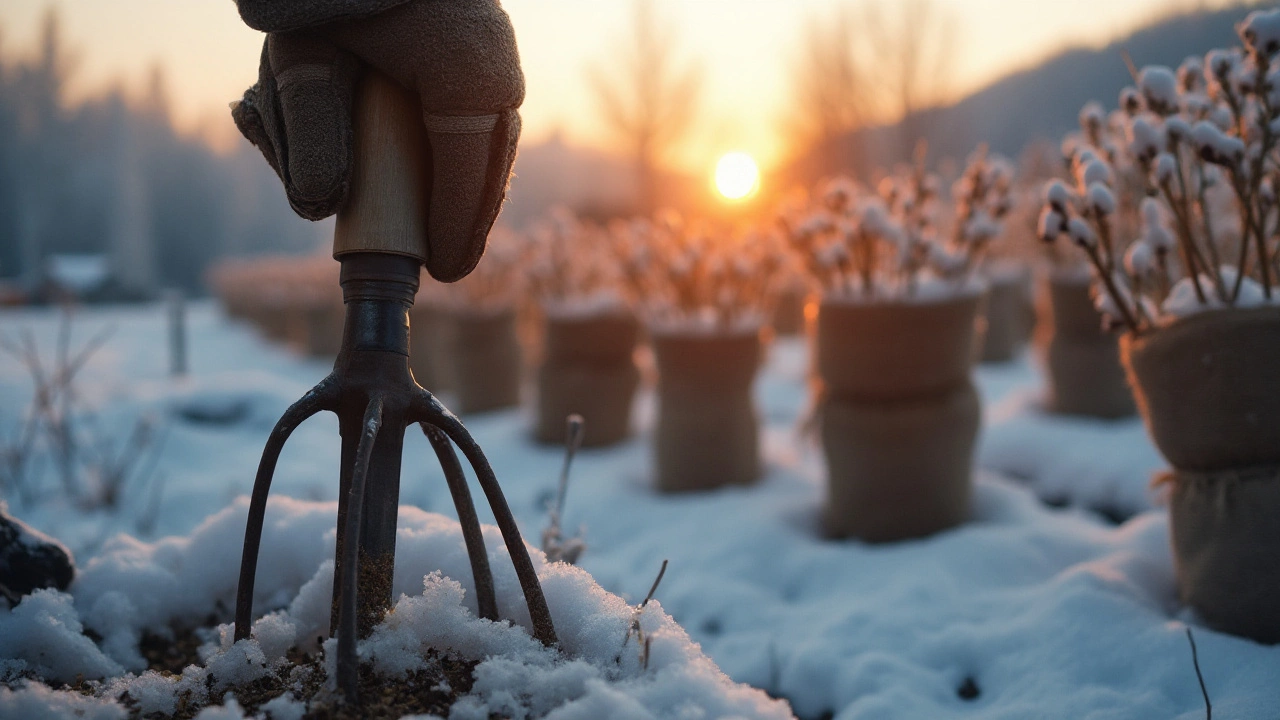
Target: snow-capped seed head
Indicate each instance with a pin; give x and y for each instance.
(1215, 146)
(943, 260)
(1220, 116)
(1101, 199)
(980, 228)
(1155, 227)
(1080, 233)
(1092, 118)
(1164, 169)
(1159, 88)
(1176, 129)
(1057, 195)
(1130, 101)
(1139, 259)
(817, 224)
(1146, 137)
(1051, 224)
(1094, 171)
(1191, 75)
(1260, 32)
(838, 193)
(1218, 65)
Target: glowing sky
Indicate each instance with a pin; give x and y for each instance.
(745, 48)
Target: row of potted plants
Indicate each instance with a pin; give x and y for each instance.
(1175, 208)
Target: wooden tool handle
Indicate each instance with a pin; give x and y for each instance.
(386, 210)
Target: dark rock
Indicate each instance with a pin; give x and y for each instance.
(30, 560)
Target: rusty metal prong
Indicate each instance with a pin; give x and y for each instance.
(486, 598)
(348, 661)
(321, 397)
(436, 414)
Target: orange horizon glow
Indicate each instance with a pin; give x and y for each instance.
(746, 50)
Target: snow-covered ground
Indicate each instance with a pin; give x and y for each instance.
(1026, 611)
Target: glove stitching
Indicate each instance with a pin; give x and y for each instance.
(303, 73)
(460, 125)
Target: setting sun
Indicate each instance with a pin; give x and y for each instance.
(737, 175)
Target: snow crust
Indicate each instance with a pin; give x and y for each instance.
(133, 585)
(1051, 612)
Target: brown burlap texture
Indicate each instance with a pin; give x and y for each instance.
(899, 470)
(1083, 360)
(588, 370)
(1209, 388)
(486, 361)
(324, 328)
(431, 347)
(899, 416)
(706, 435)
(459, 57)
(896, 351)
(788, 312)
(1009, 315)
(1226, 541)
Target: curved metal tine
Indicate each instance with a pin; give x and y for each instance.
(436, 414)
(486, 598)
(348, 662)
(321, 397)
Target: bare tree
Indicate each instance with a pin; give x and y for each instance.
(914, 46)
(832, 91)
(650, 101)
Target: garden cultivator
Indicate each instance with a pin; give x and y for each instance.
(380, 242)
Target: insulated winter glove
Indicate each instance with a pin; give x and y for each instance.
(458, 56)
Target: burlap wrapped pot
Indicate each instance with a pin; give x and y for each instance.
(788, 311)
(485, 360)
(1009, 313)
(588, 369)
(706, 434)
(324, 324)
(900, 415)
(1208, 387)
(431, 343)
(1082, 359)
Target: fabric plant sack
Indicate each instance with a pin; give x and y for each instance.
(324, 323)
(431, 344)
(1083, 360)
(1208, 387)
(485, 360)
(706, 435)
(788, 311)
(1010, 311)
(899, 415)
(588, 369)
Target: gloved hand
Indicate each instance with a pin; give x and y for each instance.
(458, 56)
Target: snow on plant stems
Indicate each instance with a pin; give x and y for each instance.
(494, 285)
(688, 274)
(571, 265)
(1191, 155)
(898, 242)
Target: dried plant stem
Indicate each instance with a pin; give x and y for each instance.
(1191, 259)
(1110, 283)
(1195, 660)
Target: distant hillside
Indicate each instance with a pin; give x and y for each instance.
(1042, 102)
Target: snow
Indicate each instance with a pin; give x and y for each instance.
(1046, 611)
